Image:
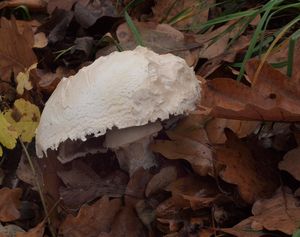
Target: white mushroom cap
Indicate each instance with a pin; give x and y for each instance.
(123, 89)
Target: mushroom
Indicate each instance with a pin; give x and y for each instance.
(124, 95)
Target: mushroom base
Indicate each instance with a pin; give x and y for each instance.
(136, 155)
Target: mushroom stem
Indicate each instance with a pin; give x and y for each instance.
(132, 146)
(135, 155)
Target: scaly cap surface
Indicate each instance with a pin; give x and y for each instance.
(123, 89)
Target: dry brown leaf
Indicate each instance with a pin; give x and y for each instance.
(82, 182)
(16, 53)
(165, 10)
(217, 50)
(192, 191)
(215, 129)
(24, 172)
(40, 40)
(37, 231)
(169, 208)
(291, 163)
(136, 186)
(189, 142)
(126, 223)
(65, 5)
(161, 180)
(48, 80)
(23, 25)
(255, 178)
(161, 38)
(243, 229)
(91, 220)
(281, 212)
(9, 204)
(271, 97)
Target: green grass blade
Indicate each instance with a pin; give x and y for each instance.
(180, 16)
(136, 34)
(226, 18)
(267, 8)
(280, 8)
(293, 40)
(24, 11)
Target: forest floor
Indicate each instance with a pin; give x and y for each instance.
(229, 168)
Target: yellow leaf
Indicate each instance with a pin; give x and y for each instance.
(23, 80)
(25, 117)
(8, 135)
(1, 151)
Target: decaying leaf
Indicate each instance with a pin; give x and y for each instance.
(161, 180)
(281, 212)
(192, 191)
(49, 80)
(91, 220)
(189, 142)
(136, 186)
(127, 223)
(161, 38)
(9, 204)
(40, 40)
(37, 231)
(291, 163)
(243, 229)
(272, 96)
(24, 172)
(85, 184)
(8, 134)
(24, 117)
(9, 230)
(23, 80)
(215, 129)
(16, 53)
(168, 10)
(255, 178)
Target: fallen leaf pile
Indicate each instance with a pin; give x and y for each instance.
(229, 168)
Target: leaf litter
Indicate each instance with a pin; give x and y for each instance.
(230, 167)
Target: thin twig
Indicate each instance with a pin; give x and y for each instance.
(39, 187)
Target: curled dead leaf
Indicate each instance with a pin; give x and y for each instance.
(160, 180)
(255, 178)
(189, 142)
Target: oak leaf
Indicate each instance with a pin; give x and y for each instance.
(189, 142)
(281, 212)
(16, 54)
(272, 96)
(256, 178)
(91, 220)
